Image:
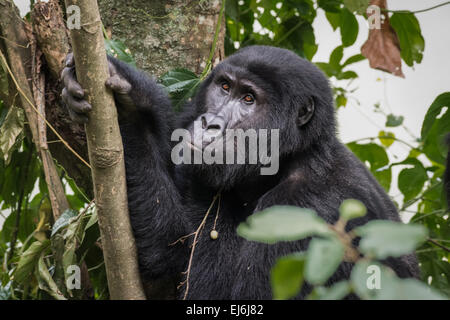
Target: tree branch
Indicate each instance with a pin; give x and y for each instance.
(106, 156)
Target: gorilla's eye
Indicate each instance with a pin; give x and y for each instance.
(249, 99)
(225, 86)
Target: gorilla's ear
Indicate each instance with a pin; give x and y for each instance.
(306, 112)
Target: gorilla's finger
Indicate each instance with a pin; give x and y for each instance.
(77, 117)
(78, 106)
(112, 69)
(70, 62)
(71, 83)
(118, 84)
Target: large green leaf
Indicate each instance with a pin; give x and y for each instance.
(117, 49)
(286, 276)
(409, 34)
(442, 101)
(382, 238)
(181, 85)
(282, 223)
(412, 180)
(336, 57)
(435, 127)
(353, 59)
(349, 28)
(46, 281)
(29, 260)
(322, 259)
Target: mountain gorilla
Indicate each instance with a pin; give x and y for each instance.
(258, 87)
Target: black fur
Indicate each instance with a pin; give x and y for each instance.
(167, 202)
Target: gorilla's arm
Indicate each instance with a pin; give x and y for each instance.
(145, 119)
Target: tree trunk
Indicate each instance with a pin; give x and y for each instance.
(106, 156)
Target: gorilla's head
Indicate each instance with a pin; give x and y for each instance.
(260, 87)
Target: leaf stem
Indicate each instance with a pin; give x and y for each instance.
(213, 47)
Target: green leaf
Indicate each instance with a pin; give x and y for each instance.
(352, 209)
(386, 138)
(336, 57)
(181, 85)
(383, 238)
(117, 49)
(341, 101)
(282, 223)
(354, 59)
(330, 5)
(11, 132)
(327, 68)
(347, 75)
(322, 259)
(412, 180)
(334, 19)
(63, 220)
(338, 291)
(29, 259)
(412, 43)
(375, 156)
(46, 281)
(435, 127)
(358, 6)
(286, 276)
(394, 121)
(442, 101)
(349, 27)
(372, 281)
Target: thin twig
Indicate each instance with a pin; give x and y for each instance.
(418, 11)
(39, 114)
(438, 245)
(213, 47)
(194, 243)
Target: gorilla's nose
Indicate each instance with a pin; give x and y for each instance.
(213, 127)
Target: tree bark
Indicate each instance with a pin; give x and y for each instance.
(106, 156)
(166, 34)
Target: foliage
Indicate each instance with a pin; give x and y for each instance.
(35, 250)
(332, 245)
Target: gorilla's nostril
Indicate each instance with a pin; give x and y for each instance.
(214, 127)
(204, 123)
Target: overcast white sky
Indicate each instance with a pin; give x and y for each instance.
(409, 97)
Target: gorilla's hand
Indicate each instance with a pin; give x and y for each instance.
(73, 95)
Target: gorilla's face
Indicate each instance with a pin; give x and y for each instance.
(232, 101)
(254, 92)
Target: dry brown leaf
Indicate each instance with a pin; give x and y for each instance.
(382, 48)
